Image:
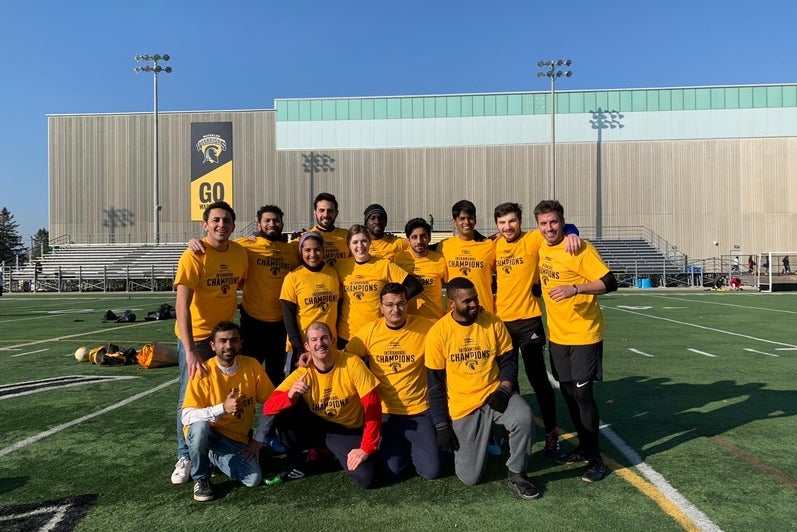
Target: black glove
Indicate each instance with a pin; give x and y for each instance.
(536, 290)
(446, 438)
(499, 399)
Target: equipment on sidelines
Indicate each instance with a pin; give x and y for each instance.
(82, 354)
(156, 355)
(112, 355)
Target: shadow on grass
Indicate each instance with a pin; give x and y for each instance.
(657, 414)
(9, 484)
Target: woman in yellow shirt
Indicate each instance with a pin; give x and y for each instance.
(361, 279)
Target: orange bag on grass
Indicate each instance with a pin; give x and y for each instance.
(156, 355)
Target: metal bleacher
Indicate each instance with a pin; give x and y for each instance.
(100, 267)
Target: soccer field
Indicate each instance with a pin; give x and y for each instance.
(698, 408)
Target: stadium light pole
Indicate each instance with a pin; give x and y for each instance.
(553, 73)
(156, 69)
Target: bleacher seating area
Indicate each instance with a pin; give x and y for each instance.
(147, 267)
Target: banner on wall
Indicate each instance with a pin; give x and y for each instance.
(211, 165)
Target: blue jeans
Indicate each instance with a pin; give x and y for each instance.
(409, 438)
(204, 350)
(207, 446)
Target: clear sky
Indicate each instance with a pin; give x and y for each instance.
(77, 57)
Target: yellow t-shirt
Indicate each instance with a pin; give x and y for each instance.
(335, 246)
(315, 295)
(360, 287)
(335, 395)
(269, 263)
(468, 354)
(388, 247)
(253, 385)
(474, 260)
(396, 359)
(431, 271)
(576, 320)
(516, 270)
(214, 277)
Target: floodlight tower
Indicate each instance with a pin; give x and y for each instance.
(553, 73)
(156, 69)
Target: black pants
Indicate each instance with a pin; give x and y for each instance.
(265, 341)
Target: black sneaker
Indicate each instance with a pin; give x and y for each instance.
(552, 444)
(203, 490)
(521, 485)
(595, 471)
(573, 457)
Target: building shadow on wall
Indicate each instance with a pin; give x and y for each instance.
(114, 219)
(600, 121)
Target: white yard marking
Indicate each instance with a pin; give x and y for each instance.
(30, 352)
(703, 327)
(37, 342)
(701, 352)
(745, 307)
(761, 352)
(638, 352)
(40, 436)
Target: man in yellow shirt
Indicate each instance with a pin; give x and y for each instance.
(516, 261)
(325, 209)
(469, 254)
(206, 294)
(471, 386)
(333, 399)
(393, 346)
(428, 266)
(218, 411)
(570, 284)
(383, 245)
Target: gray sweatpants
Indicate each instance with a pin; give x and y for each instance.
(473, 432)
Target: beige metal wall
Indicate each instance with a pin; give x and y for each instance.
(737, 192)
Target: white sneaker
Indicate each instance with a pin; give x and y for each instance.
(182, 471)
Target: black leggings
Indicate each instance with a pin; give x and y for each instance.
(584, 413)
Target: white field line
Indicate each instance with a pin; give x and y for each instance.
(654, 477)
(703, 327)
(745, 307)
(661, 484)
(30, 352)
(59, 386)
(44, 314)
(761, 352)
(37, 342)
(786, 349)
(638, 352)
(701, 352)
(64, 426)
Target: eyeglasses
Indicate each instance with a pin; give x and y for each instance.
(390, 306)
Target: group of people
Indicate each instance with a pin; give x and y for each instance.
(378, 372)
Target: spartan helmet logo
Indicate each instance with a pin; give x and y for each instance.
(332, 413)
(211, 147)
(359, 296)
(395, 367)
(225, 288)
(544, 280)
(275, 270)
(324, 307)
(507, 269)
(465, 271)
(471, 364)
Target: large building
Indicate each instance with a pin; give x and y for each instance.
(687, 166)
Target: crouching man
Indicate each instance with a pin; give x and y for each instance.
(218, 410)
(472, 378)
(331, 400)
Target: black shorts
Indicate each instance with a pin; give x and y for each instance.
(526, 331)
(579, 363)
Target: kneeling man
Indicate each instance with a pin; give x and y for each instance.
(218, 410)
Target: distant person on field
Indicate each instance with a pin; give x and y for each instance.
(218, 411)
(206, 287)
(750, 264)
(786, 267)
(765, 265)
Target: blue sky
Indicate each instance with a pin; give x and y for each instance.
(77, 57)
